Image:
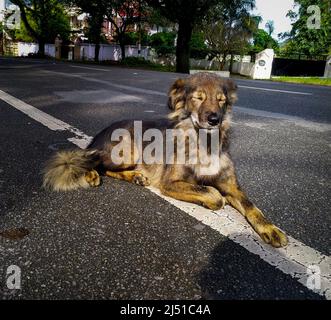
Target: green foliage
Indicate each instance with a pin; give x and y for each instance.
(306, 80)
(262, 40)
(132, 38)
(305, 40)
(199, 49)
(163, 42)
(43, 21)
(228, 28)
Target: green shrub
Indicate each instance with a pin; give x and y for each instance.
(163, 42)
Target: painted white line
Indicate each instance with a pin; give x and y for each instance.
(240, 86)
(80, 139)
(316, 126)
(294, 260)
(107, 83)
(90, 68)
(276, 90)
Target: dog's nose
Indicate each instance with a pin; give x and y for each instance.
(214, 119)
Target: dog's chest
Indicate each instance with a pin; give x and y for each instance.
(212, 166)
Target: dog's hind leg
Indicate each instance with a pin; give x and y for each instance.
(133, 176)
(238, 199)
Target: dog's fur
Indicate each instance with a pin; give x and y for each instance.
(191, 100)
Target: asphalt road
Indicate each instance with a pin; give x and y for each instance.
(121, 241)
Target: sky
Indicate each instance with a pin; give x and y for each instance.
(275, 10)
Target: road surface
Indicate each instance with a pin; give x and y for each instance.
(122, 241)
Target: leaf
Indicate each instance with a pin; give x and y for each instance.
(14, 234)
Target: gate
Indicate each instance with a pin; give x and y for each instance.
(298, 67)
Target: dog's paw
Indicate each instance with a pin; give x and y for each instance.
(141, 180)
(213, 199)
(273, 236)
(93, 179)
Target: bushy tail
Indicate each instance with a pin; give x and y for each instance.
(66, 170)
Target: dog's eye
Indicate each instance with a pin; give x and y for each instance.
(200, 98)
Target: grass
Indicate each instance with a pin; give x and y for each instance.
(305, 80)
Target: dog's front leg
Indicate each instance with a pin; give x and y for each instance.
(206, 196)
(238, 199)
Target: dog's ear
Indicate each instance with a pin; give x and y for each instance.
(230, 90)
(176, 99)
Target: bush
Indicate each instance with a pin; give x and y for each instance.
(163, 42)
(132, 38)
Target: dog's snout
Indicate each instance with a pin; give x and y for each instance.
(214, 119)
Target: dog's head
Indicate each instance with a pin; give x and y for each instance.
(204, 97)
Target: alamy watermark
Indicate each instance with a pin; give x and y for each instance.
(13, 277)
(314, 277)
(12, 18)
(314, 20)
(173, 146)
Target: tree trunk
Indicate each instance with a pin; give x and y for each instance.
(183, 47)
(231, 63)
(122, 45)
(41, 49)
(96, 52)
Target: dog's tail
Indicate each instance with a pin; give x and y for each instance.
(66, 170)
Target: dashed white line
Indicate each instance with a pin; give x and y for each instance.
(295, 259)
(316, 126)
(276, 90)
(240, 86)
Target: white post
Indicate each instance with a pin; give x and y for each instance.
(263, 64)
(327, 71)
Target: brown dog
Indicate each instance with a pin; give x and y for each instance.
(200, 102)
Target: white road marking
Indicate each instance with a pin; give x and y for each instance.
(294, 260)
(90, 68)
(107, 83)
(240, 86)
(80, 139)
(276, 90)
(320, 127)
(316, 126)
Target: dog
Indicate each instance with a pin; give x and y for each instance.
(202, 101)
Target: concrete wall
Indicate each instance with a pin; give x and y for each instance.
(243, 68)
(107, 51)
(327, 71)
(24, 48)
(263, 64)
(111, 52)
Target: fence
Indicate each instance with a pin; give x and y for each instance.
(107, 51)
(296, 67)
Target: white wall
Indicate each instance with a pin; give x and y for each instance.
(263, 64)
(327, 71)
(107, 51)
(111, 52)
(24, 48)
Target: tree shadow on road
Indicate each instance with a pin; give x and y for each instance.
(233, 273)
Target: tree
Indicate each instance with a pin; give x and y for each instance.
(122, 14)
(42, 21)
(263, 40)
(228, 28)
(270, 25)
(186, 13)
(314, 39)
(96, 11)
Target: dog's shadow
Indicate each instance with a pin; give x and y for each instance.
(233, 273)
